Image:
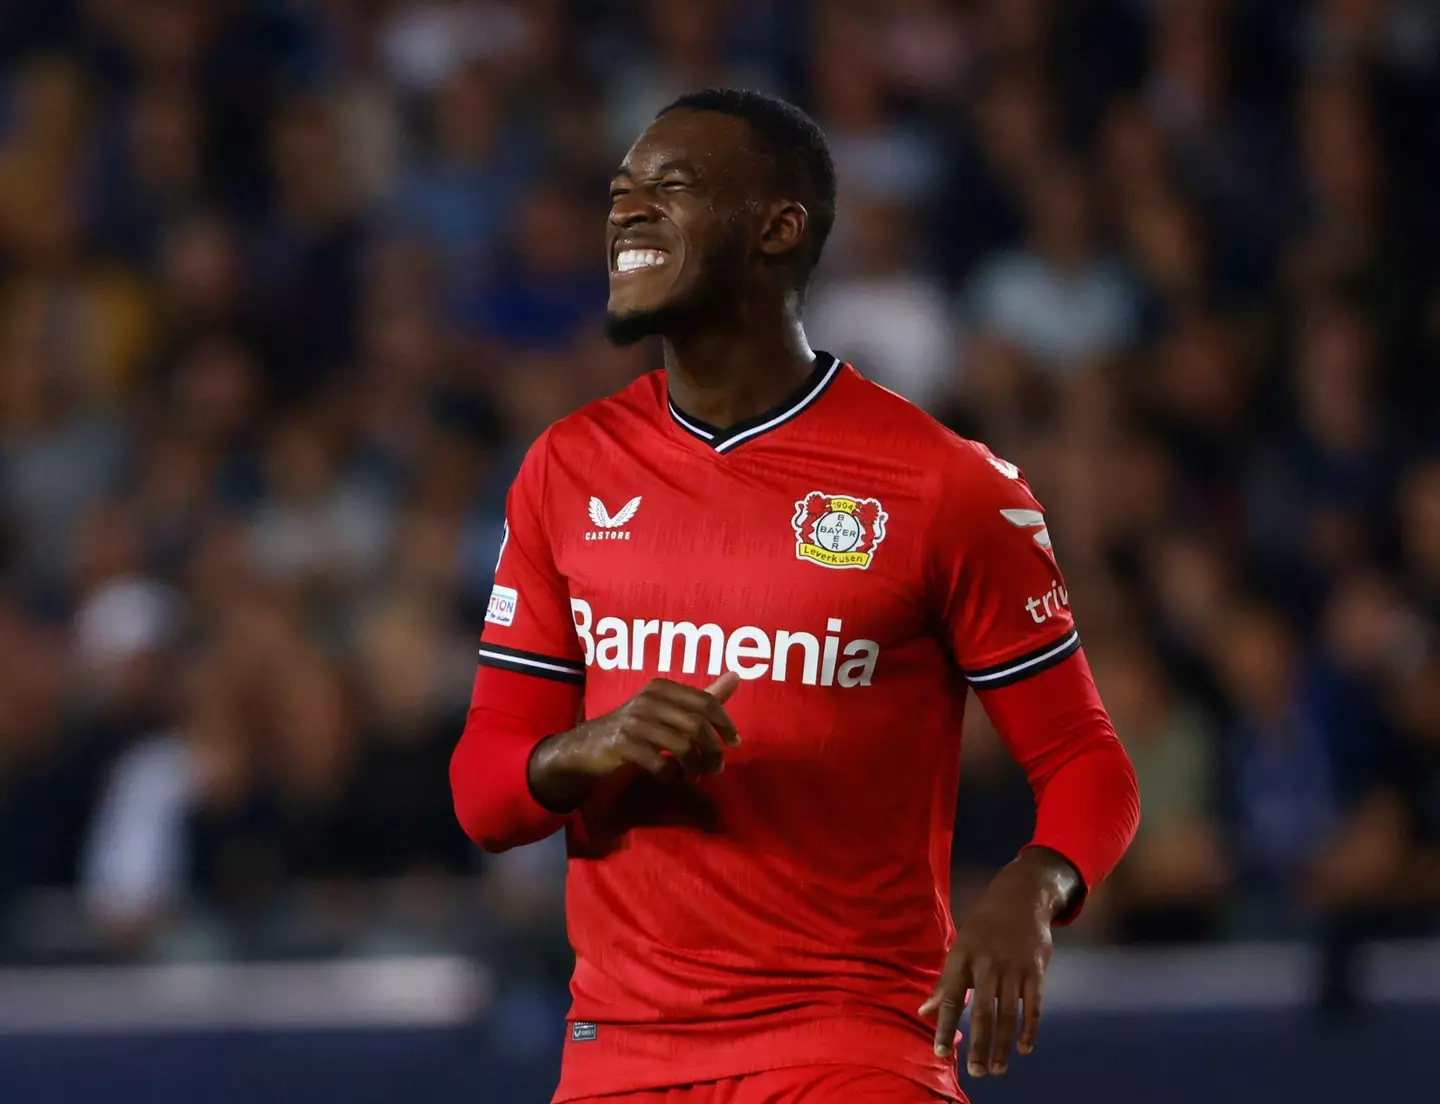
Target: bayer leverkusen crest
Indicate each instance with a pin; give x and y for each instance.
(838, 530)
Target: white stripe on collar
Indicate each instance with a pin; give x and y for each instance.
(724, 440)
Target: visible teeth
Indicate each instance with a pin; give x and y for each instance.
(631, 259)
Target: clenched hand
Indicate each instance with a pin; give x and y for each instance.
(665, 729)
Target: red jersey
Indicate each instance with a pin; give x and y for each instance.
(859, 566)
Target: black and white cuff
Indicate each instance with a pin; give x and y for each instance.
(1022, 667)
(531, 663)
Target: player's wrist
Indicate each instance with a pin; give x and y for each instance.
(1055, 884)
(554, 774)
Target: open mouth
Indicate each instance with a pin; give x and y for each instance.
(639, 260)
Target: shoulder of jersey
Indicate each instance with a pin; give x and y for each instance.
(971, 462)
(884, 409)
(636, 402)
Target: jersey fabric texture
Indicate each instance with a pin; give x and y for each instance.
(858, 565)
(799, 1085)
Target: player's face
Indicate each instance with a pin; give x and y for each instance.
(681, 216)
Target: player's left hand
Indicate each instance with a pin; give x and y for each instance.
(997, 962)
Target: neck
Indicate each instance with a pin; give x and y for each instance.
(725, 373)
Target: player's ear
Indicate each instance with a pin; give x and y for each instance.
(783, 227)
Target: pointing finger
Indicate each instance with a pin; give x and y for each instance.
(724, 686)
(716, 695)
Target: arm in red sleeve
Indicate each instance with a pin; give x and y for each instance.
(509, 714)
(530, 682)
(1006, 609)
(1087, 803)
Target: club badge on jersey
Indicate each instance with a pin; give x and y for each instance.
(838, 531)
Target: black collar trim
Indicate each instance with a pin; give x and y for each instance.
(826, 369)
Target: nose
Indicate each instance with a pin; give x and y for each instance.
(630, 210)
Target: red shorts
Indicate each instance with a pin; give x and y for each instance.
(796, 1085)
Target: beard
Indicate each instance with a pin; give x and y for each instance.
(625, 328)
(704, 301)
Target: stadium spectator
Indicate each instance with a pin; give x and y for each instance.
(1172, 883)
(287, 289)
(871, 299)
(1060, 300)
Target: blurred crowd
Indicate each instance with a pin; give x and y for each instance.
(288, 286)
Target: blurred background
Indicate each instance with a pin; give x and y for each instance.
(288, 286)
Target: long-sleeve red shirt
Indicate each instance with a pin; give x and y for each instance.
(860, 567)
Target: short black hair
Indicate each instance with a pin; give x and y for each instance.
(796, 148)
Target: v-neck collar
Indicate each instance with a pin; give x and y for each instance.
(826, 369)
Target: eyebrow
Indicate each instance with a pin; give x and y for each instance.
(660, 170)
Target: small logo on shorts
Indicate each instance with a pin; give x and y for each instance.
(582, 1031)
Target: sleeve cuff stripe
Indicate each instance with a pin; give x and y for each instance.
(528, 663)
(1026, 665)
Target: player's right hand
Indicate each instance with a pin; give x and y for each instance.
(665, 729)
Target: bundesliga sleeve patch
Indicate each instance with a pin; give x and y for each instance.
(838, 531)
(503, 602)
